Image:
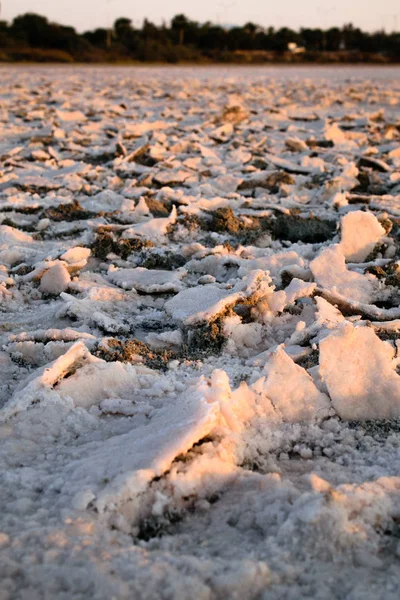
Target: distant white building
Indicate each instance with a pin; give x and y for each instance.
(295, 49)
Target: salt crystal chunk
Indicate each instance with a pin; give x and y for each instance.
(361, 231)
(55, 280)
(76, 254)
(359, 372)
(200, 303)
(150, 281)
(155, 229)
(292, 390)
(329, 271)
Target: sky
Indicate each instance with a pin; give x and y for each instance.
(89, 14)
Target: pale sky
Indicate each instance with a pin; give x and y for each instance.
(89, 14)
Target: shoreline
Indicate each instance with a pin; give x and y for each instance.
(212, 65)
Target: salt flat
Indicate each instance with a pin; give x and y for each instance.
(199, 327)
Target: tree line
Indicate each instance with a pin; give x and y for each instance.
(33, 37)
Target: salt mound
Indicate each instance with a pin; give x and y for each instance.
(256, 362)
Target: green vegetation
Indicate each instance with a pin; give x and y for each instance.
(31, 37)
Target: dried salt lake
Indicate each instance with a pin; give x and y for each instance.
(199, 327)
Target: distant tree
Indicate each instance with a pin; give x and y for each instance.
(179, 24)
(184, 39)
(5, 38)
(285, 36)
(333, 39)
(184, 31)
(31, 28)
(36, 31)
(212, 37)
(352, 37)
(122, 27)
(149, 30)
(126, 35)
(313, 39)
(97, 37)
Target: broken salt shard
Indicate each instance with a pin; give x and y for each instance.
(70, 115)
(150, 281)
(76, 254)
(359, 371)
(295, 144)
(107, 201)
(167, 339)
(327, 316)
(330, 272)
(131, 460)
(361, 231)
(154, 230)
(334, 134)
(10, 235)
(97, 381)
(200, 303)
(288, 166)
(55, 280)
(42, 380)
(204, 302)
(295, 290)
(292, 390)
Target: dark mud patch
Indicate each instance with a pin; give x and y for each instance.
(309, 361)
(134, 351)
(293, 228)
(319, 143)
(379, 430)
(223, 220)
(107, 242)
(387, 336)
(205, 340)
(192, 223)
(158, 526)
(69, 212)
(158, 208)
(167, 261)
(142, 156)
(271, 182)
(372, 183)
(390, 275)
(25, 227)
